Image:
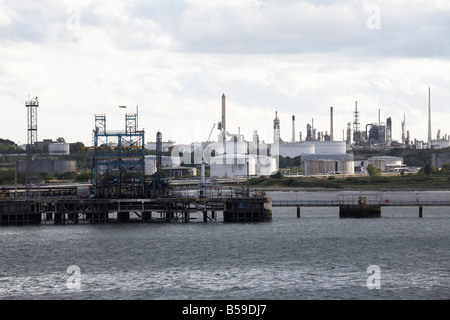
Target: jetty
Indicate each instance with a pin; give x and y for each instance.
(361, 207)
(61, 205)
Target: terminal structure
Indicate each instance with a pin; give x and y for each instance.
(118, 159)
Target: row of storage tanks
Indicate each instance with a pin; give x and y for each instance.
(318, 158)
(242, 158)
(239, 158)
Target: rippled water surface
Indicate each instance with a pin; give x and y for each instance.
(318, 256)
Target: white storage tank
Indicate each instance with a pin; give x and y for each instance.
(330, 146)
(58, 148)
(266, 166)
(232, 165)
(325, 167)
(235, 165)
(293, 150)
(236, 147)
(384, 162)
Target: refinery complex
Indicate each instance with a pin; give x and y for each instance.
(230, 155)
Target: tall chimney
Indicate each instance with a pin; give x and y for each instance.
(224, 130)
(331, 124)
(276, 128)
(293, 129)
(429, 118)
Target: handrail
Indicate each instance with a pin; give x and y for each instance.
(330, 203)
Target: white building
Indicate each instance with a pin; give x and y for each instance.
(166, 162)
(57, 149)
(235, 165)
(384, 163)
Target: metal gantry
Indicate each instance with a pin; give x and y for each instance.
(118, 159)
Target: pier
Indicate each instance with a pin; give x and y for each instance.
(360, 208)
(71, 204)
(60, 211)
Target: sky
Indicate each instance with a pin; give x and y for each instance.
(171, 61)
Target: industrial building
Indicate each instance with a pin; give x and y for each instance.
(438, 159)
(58, 149)
(321, 167)
(166, 162)
(167, 146)
(379, 135)
(319, 153)
(47, 165)
(178, 172)
(228, 157)
(239, 165)
(385, 163)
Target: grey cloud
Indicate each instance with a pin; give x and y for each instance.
(262, 27)
(295, 27)
(32, 21)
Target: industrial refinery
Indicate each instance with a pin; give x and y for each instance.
(122, 169)
(231, 155)
(320, 152)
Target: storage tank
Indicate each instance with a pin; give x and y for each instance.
(384, 162)
(232, 165)
(322, 167)
(58, 148)
(293, 150)
(236, 147)
(214, 148)
(266, 166)
(329, 146)
(48, 165)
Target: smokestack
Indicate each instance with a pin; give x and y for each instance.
(331, 124)
(223, 118)
(276, 129)
(429, 118)
(293, 129)
(379, 117)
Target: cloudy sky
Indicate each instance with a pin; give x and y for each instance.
(173, 60)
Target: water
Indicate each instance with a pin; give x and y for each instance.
(318, 256)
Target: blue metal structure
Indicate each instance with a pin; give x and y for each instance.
(118, 160)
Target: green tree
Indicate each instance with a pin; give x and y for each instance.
(76, 147)
(373, 171)
(277, 175)
(45, 176)
(429, 170)
(84, 176)
(445, 169)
